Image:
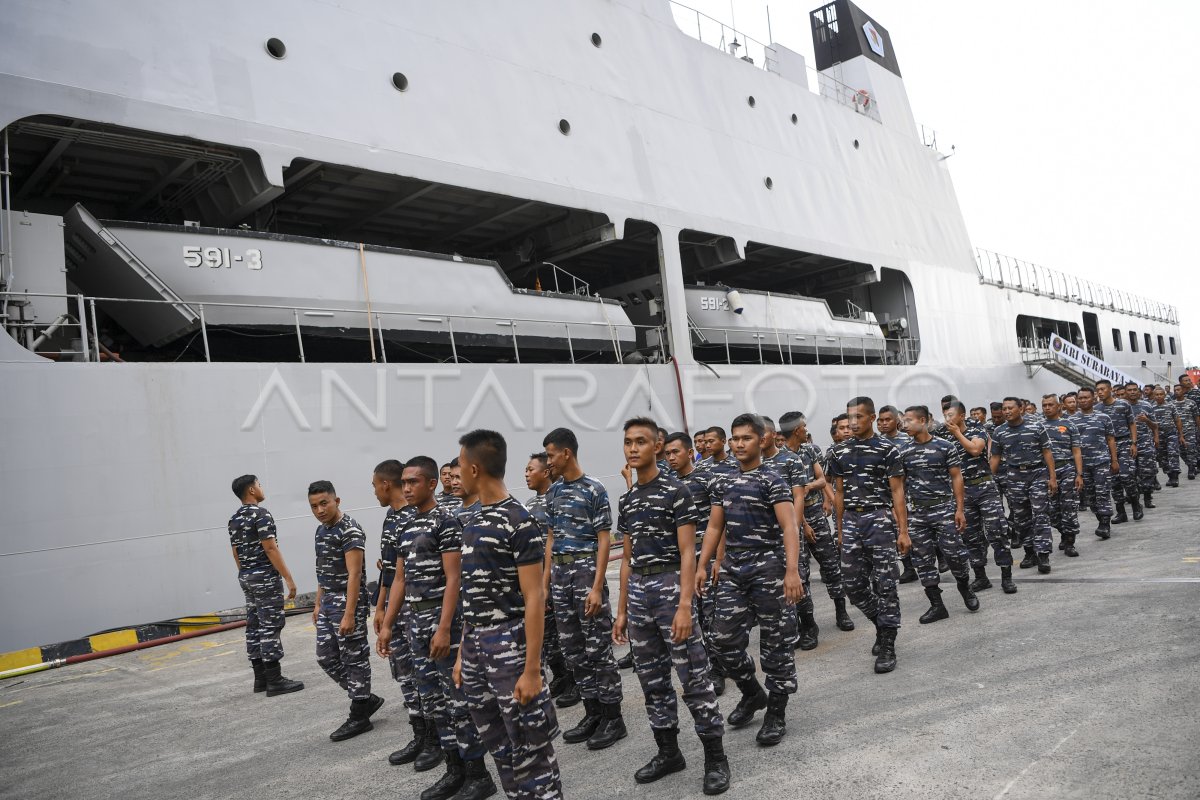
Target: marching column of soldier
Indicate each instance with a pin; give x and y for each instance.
(481, 597)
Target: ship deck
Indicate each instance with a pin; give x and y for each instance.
(1081, 685)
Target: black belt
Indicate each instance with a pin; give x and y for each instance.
(862, 509)
(815, 501)
(1062, 464)
(571, 558)
(1027, 467)
(979, 481)
(423, 605)
(655, 569)
(941, 501)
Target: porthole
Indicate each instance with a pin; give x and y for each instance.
(596, 40)
(856, 144)
(276, 48)
(751, 101)
(795, 119)
(767, 182)
(400, 81)
(564, 127)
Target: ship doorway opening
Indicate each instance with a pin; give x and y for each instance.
(1035, 332)
(1091, 334)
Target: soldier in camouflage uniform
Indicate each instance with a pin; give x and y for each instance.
(389, 491)
(503, 601)
(262, 573)
(1170, 431)
(340, 615)
(447, 497)
(806, 476)
(580, 521)
(1070, 404)
(872, 524)
(1066, 447)
(982, 505)
(1098, 448)
(1188, 412)
(451, 498)
(538, 480)
(718, 462)
(752, 514)
(428, 570)
(933, 487)
(1125, 488)
(1145, 464)
(1022, 446)
(656, 612)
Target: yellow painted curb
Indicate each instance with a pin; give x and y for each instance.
(20, 658)
(113, 640)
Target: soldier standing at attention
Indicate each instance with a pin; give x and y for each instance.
(872, 524)
(503, 596)
(1099, 450)
(1145, 464)
(577, 544)
(752, 514)
(340, 615)
(1187, 416)
(719, 462)
(1066, 447)
(1022, 447)
(656, 613)
(933, 487)
(537, 480)
(1125, 488)
(428, 570)
(262, 573)
(888, 422)
(386, 481)
(1170, 431)
(982, 506)
(1070, 404)
(807, 479)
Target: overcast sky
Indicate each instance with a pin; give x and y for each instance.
(1076, 125)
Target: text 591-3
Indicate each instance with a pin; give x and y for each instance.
(217, 257)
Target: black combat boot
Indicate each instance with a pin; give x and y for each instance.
(968, 596)
(1157, 485)
(1173, 480)
(1006, 581)
(844, 622)
(878, 637)
(1136, 503)
(592, 715)
(981, 581)
(626, 661)
(909, 574)
(943, 565)
(716, 765)
(478, 783)
(667, 760)
(1069, 549)
(276, 683)
(753, 698)
(431, 751)
(1148, 500)
(611, 729)
(410, 751)
(1043, 561)
(1104, 529)
(451, 781)
(1191, 473)
(886, 661)
(1120, 516)
(718, 679)
(1030, 559)
(358, 722)
(562, 677)
(937, 610)
(570, 694)
(808, 631)
(774, 727)
(260, 678)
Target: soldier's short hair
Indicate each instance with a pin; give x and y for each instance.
(662, 431)
(390, 470)
(563, 439)
(752, 421)
(487, 449)
(1083, 389)
(1051, 394)
(957, 404)
(454, 462)
(977, 408)
(889, 410)
(1069, 394)
(864, 401)
(996, 405)
(717, 431)
(426, 465)
(789, 421)
(321, 487)
(447, 465)
(1016, 400)
(947, 399)
(840, 417)
(920, 411)
(542, 457)
(242, 484)
(681, 437)
(642, 422)
(1104, 382)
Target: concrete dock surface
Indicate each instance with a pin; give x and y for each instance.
(1084, 684)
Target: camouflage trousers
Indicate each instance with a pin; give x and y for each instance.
(705, 611)
(869, 564)
(1028, 497)
(263, 589)
(750, 590)
(1168, 451)
(1145, 465)
(1125, 484)
(520, 738)
(1064, 505)
(1097, 479)
(551, 647)
(986, 525)
(1188, 448)
(825, 550)
(932, 528)
(586, 641)
(400, 660)
(441, 700)
(653, 601)
(345, 659)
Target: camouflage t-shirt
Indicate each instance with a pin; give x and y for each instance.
(749, 501)
(248, 527)
(449, 500)
(500, 538)
(1143, 410)
(1020, 445)
(536, 506)
(927, 470)
(1094, 430)
(332, 544)
(650, 514)
(393, 522)
(1064, 437)
(974, 468)
(1187, 413)
(726, 467)
(578, 511)
(1165, 415)
(464, 514)
(422, 542)
(1121, 414)
(699, 485)
(866, 467)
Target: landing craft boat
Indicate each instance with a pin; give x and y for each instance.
(297, 238)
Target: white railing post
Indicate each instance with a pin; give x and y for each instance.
(204, 334)
(453, 346)
(95, 332)
(299, 338)
(83, 331)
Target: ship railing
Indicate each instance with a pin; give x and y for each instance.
(92, 349)
(777, 346)
(1007, 272)
(578, 285)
